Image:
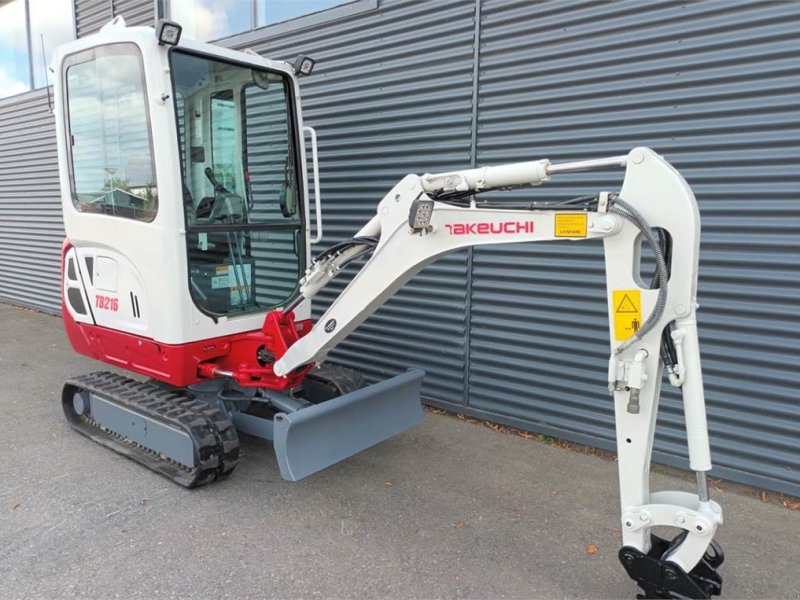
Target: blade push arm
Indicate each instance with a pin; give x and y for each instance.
(412, 229)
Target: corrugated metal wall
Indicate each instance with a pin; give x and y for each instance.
(91, 15)
(715, 87)
(712, 85)
(30, 211)
(392, 94)
(136, 12)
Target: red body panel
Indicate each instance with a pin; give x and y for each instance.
(235, 356)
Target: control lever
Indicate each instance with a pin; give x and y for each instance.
(218, 187)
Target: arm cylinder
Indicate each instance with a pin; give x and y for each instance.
(694, 404)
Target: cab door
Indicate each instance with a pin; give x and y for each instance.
(113, 187)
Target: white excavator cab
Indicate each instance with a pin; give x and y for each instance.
(197, 152)
(184, 196)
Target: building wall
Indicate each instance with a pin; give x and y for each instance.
(31, 232)
(91, 15)
(518, 334)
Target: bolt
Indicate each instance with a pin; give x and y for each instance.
(628, 523)
(644, 517)
(681, 310)
(637, 157)
(670, 574)
(628, 559)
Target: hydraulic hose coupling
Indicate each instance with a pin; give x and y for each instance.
(636, 378)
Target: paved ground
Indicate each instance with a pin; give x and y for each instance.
(448, 510)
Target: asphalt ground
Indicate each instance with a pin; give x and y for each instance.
(446, 510)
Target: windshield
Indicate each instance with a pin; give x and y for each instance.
(241, 195)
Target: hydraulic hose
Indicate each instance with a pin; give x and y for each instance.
(626, 211)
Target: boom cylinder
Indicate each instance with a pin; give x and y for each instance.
(484, 178)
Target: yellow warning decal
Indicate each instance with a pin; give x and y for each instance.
(571, 224)
(627, 313)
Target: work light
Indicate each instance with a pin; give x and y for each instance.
(168, 32)
(420, 213)
(303, 65)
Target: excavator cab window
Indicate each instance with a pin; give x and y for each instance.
(237, 138)
(111, 152)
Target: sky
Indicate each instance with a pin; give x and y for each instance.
(214, 19)
(14, 72)
(49, 18)
(53, 19)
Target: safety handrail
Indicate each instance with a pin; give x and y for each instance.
(317, 201)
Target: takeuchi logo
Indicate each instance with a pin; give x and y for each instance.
(507, 227)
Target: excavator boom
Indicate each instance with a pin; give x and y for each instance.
(425, 217)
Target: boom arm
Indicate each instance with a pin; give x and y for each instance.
(402, 250)
(411, 230)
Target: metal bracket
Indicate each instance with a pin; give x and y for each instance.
(630, 376)
(602, 202)
(678, 374)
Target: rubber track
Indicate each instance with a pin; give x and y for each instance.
(342, 379)
(216, 444)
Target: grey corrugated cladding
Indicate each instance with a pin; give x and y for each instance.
(30, 212)
(392, 94)
(712, 85)
(135, 12)
(91, 15)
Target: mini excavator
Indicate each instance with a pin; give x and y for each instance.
(187, 262)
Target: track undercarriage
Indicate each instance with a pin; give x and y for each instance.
(180, 437)
(189, 435)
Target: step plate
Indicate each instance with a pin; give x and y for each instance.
(318, 436)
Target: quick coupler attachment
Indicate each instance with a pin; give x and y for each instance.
(660, 578)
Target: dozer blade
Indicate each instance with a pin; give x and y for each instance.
(320, 435)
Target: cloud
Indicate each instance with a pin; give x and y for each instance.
(12, 25)
(212, 19)
(47, 15)
(9, 86)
